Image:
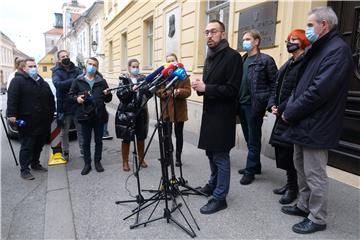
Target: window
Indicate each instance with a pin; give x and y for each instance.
(110, 59)
(149, 41)
(124, 55)
(97, 33)
(44, 68)
(219, 10)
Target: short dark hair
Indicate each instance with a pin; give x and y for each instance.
(254, 33)
(173, 55)
(132, 61)
(220, 23)
(58, 53)
(29, 60)
(94, 59)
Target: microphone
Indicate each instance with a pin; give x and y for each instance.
(179, 74)
(164, 74)
(152, 75)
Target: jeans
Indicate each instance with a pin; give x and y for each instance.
(251, 126)
(220, 173)
(106, 132)
(65, 133)
(86, 129)
(30, 150)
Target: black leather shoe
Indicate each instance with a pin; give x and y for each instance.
(207, 189)
(86, 169)
(281, 190)
(294, 210)
(307, 226)
(288, 197)
(242, 171)
(247, 179)
(213, 206)
(99, 167)
(39, 168)
(27, 176)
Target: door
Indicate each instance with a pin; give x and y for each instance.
(347, 155)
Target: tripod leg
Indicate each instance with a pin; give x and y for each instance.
(7, 135)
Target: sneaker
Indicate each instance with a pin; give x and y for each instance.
(39, 168)
(307, 226)
(213, 206)
(27, 176)
(108, 137)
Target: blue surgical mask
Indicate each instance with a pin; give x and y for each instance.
(90, 69)
(247, 46)
(134, 71)
(33, 73)
(311, 35)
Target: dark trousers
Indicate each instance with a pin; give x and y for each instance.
(284, 160)
(86, 129)
(220, 173)
(251, 127)
(30, 150)
(178, 128)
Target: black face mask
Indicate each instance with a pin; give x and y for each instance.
(292, 47)
(66, 61)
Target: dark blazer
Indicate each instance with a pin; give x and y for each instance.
(261, 80)
(95, 106)
(286, 82)
(31, 101)
(315, 110)
(62, 79)
(222, 76)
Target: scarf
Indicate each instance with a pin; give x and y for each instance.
(212, 52)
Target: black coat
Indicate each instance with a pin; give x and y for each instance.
(261, 78)
(222, 76)
(94, 107)
(315, 110)
(132, 109)
(286, 82)
(31, 101)
(62, 79)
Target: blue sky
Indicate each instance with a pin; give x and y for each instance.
(26, 21)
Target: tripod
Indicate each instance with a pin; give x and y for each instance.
(167, 190)
(8, 137)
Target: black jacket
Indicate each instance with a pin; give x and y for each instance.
(222, 76)
(315, 110)
(31, 101)
(62, 79)
(261, 79)
(94, 106)
(286, 82)
(132, 109)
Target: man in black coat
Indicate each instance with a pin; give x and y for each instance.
(220, 85)
(315, 112)
(30, 99)
(63, 74)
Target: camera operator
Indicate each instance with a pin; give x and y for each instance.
(129, 106)
(90, 91)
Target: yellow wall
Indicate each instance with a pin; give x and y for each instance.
(129, 18)
(48, 61)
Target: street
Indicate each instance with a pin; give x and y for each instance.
(253, 211)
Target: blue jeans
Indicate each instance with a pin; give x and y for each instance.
(86, 129)
(220, 173)
(251, 127)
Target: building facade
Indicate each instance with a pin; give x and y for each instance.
(7, 47)
(46, 63)
(148, 30)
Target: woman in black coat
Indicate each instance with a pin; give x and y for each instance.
(285, 84)
(131, 109)
(90, 91)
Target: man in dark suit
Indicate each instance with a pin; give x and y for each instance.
(315, 113)
(30, 99)
(220, 85)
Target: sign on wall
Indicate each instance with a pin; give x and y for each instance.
(172, 31)
(261, 17)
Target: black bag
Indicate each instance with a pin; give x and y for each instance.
(87, 113)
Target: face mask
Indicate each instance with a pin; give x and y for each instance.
(134, 71)
(90, 69)
(311, 35)
(247, 46)
(32, 73)
(65, 61)
(292, 47)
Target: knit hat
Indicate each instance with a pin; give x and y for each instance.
(300, 34)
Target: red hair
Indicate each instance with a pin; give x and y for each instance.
(300, 34)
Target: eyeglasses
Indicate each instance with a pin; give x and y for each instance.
(212, 32)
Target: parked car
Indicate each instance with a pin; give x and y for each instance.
(13, 128)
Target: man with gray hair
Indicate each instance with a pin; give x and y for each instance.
(315, 114)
